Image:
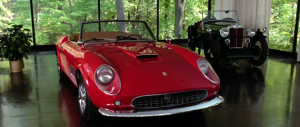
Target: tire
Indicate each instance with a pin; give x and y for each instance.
(88, 111)
(61, 74)
(191, 39)
(259, 50)
(212, 51)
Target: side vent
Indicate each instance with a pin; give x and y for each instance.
(72, 71)
(146, 56)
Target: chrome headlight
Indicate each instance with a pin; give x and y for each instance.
(265, 29)
(208, 30)
(224, 32)
(208, 71)
(107, 80)
(203, 66)
(104, 74)
(251, 31)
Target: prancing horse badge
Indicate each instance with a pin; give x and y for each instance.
(165, 73)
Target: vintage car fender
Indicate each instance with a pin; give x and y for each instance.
(190, 56)
(260, 34)
(62, 39)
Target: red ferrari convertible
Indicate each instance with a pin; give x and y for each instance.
(121, 71)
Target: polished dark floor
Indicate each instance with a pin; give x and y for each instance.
(266, 96)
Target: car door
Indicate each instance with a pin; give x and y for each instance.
(74, 54)
(63, 52)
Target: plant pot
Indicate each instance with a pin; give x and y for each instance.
(16, 66)
(17, 79)
(22, 63)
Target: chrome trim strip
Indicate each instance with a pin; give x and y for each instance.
(235, 26)
(72, 71)
(168, 93)
(203, 105)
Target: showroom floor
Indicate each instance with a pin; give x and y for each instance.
(267, 96)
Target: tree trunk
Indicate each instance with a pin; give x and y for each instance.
(71, 25)
(59, 6)
(37, 13)
(166, 3)
(179, 9)
(121, 16)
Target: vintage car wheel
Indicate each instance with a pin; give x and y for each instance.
(88, 110)
(212, 50)
(260, 51)
(60, 72)
(191, 38)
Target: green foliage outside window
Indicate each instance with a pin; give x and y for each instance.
(53, 18)
(282, 22)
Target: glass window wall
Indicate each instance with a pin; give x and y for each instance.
(144, 10)
(53, 18)
(15, 12)
(191, 14)
(282, 23)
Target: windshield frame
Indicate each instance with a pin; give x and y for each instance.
(206, 12)
(82, 25)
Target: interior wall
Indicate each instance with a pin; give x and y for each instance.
(251, 13)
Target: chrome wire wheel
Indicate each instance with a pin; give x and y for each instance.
(82, 97)
(258, 50)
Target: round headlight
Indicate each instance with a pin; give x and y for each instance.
(265, 29)
(208, 71)
(203, 66)
(104, 74)
(208, 30)
(251, 31)
(224, 32)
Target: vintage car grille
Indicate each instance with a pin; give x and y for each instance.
(236, 37)
(168, 100)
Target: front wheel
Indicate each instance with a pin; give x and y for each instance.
(259, 50)
(61, 74)
(88, 110)
(191, 39)
(212, 51)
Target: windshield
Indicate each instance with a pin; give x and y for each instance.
(116, 30)
(227, 15)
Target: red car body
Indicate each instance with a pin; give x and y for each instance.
(174, 70)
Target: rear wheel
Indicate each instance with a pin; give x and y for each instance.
(212, 50)
(60, 72)
(259, 50)
(88, 110)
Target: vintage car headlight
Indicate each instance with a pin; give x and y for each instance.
(104, 74)
(224, 32)
(107, 80)
(251, 31)
(208, 71)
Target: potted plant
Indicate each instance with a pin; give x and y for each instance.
(14, 46)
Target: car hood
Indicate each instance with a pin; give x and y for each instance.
(137, 52)
(168, 72)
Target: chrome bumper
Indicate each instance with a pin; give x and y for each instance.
(161, 112)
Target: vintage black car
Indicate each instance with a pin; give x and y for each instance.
(224, 39)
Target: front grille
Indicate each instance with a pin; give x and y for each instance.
(169, 100)
(236, 37)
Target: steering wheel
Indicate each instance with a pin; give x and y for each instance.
(139, 36)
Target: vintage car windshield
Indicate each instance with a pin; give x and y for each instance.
(226, 15)
(116, 30)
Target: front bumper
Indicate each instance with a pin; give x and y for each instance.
(161, 112)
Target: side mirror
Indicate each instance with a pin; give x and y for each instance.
(168, 40)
